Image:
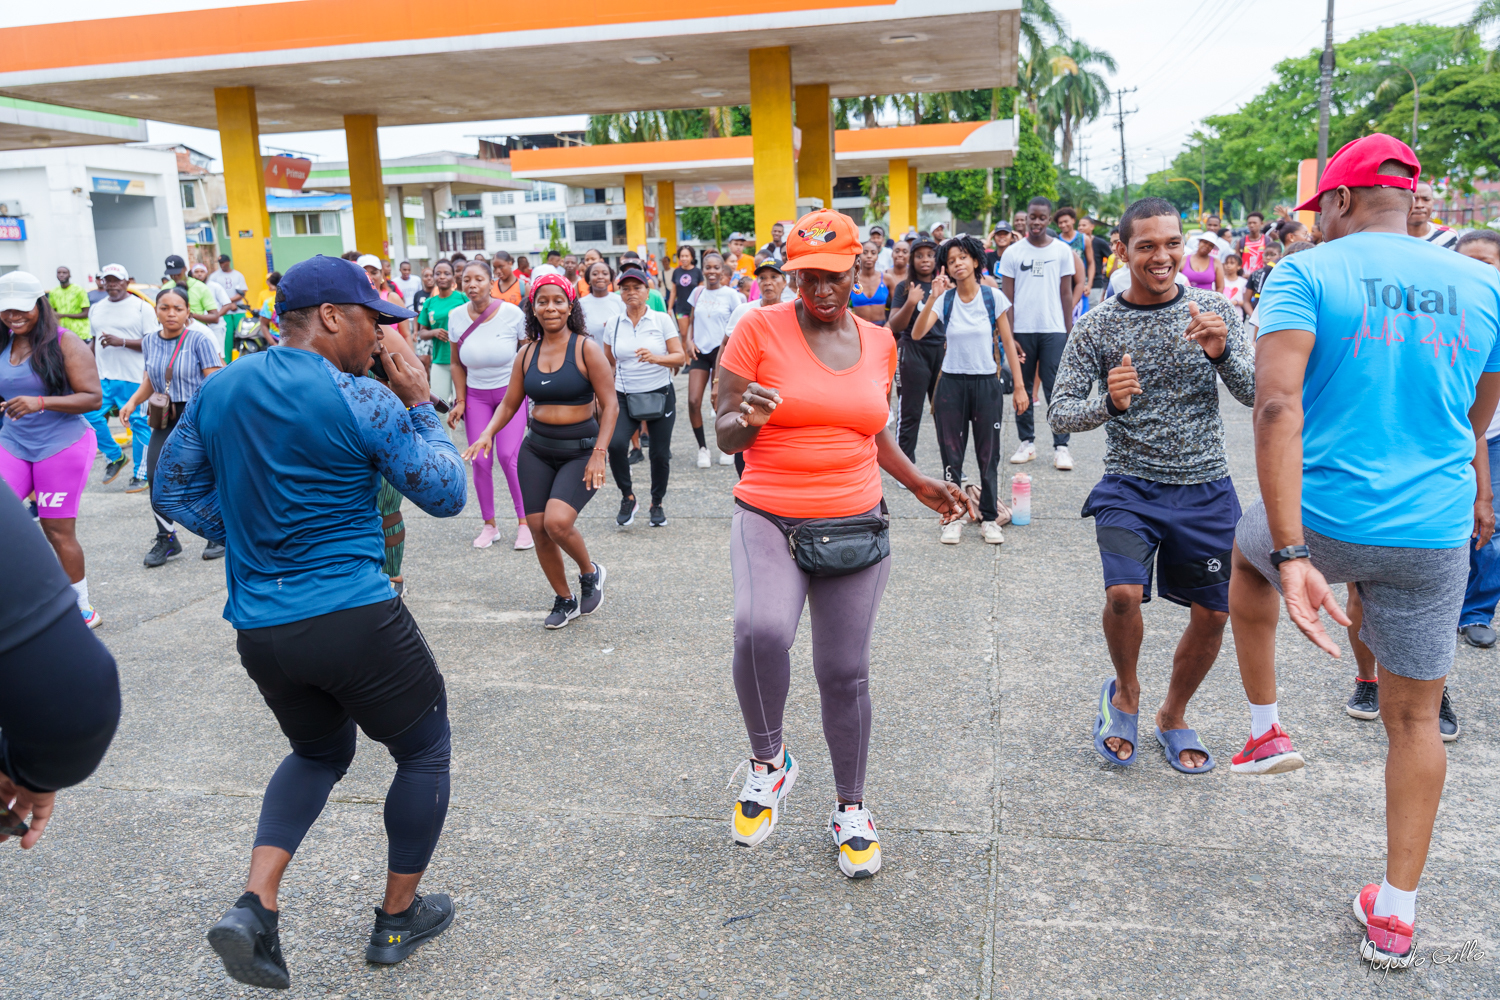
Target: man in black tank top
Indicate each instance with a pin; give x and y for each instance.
(918, 361)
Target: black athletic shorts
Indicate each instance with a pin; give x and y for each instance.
(370, 664)
(705, 362)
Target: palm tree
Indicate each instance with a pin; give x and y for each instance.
(1078, 93)
(1039, 19)
(1486, 15)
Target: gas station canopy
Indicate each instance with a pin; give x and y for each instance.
(926, 148)
(30, 125)
(465, 174)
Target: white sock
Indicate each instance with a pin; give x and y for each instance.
(1262, 718)
(1396, 902)
(81, 588)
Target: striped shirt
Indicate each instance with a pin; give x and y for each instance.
(187, 373)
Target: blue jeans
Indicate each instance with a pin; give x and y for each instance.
(1483, 590)
(117, 392)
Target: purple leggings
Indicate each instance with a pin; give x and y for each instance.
(479, 406)
(769, 591)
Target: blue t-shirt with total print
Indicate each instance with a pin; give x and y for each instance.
(1404, 329)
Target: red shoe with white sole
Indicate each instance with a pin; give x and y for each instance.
(1272, 753)
(1390, 942)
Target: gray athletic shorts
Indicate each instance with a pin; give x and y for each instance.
(1412, 597)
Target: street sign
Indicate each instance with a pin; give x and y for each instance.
(12, 229)
(286, 172)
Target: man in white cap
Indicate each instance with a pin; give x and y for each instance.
(119, 321)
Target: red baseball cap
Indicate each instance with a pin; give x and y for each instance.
(1356, 165)
(824, 239)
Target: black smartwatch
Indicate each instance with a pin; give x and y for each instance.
(1290, 552)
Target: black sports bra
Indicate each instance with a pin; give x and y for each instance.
(565, 387)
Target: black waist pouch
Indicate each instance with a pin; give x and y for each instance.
(835, 546)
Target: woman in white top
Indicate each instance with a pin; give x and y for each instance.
(482, 359)
(710, 306)
(970, 391)
(644, 346)
(599, 305)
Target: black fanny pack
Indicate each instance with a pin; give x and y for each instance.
(646, 406)
(836, 546)
(564, 446)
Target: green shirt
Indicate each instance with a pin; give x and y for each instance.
(434, 316)
(72, 299)
(200, 297)
(655, 302)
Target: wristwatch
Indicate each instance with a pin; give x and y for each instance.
(1290, 552)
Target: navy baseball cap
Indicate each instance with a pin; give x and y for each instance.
(323, 279)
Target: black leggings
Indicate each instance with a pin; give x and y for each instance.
(59, 705)
(916, 377)
(660, 430)
(159, 437)
(321, 676)
(555, 471)
(1043, 351)
(963, 402)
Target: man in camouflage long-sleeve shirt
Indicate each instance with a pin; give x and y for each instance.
(1158, 351)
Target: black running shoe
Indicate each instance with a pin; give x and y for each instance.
(628, 507)
(1365, 702)
(164, 549)
(637, 456)
(658, 516)
(249, 944)
(213, 550)
(1447, 719)
(1478, 634)
(112, 469)
(136, 485)
(591, 590)
(645, 439)
(394, 938)
(564, 610)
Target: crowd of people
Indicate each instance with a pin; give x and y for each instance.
(563, 375)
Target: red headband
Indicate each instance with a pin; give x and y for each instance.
(553, 279)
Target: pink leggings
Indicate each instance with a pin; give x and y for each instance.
(58, 480)
(479, 406)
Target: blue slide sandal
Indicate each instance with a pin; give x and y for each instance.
(1111, 722)
(1174, 741)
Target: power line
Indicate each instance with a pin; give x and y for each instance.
(1120, 124)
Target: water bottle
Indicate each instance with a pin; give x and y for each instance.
(1020, 499)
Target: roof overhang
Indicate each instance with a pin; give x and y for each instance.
(30, 125)
(467, 174)
(314, 61)
(928, 148)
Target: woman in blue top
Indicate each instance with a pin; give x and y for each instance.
(871, 294)
(48, 381)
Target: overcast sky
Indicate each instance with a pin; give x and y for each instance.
(1187, 59)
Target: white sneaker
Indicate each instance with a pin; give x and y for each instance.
(759, 805)
(990, 532)
(1025, 453)
(854, 833)
(953, 531)
(1062, 458)
(703, 460)
(725, 459)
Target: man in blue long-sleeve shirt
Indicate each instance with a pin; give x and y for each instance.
(320, 630)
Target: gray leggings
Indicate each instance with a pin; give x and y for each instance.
(769, 591)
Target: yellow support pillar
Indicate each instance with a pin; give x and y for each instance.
(635, 213)
(915, 190)
(666, 220)
(898, 185)
(244, 184)
(371, 234)
(775, 169)
(815, 167)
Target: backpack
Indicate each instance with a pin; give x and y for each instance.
(989, 307)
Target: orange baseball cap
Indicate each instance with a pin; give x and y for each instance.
(824, 239)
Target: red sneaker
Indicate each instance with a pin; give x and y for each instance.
(1271, 754)
(1389, 941)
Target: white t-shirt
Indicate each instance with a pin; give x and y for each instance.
(409, 286)
(598, 310)
(625, 338)
(217, 339)
(971, 336)
(711, 313)
(221, 299)
(1233, 290)
(744, 307)
(1037, 272)
(490, 350)
(230, 282)
(130, 318)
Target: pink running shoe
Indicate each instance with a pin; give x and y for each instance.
(523, 538)
(1271, 754)
(487, 536)
(1390, 942)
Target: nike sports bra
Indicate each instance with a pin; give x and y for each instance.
(565, 387)
(859, 298)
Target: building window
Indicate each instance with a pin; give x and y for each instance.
(544, 225)
(542, 192)
(447, 240)
(307, 223)
(619, 227)
(591, 232)
(505, 197)
(595, 196)
(505, 229)
(473, 239)
(189, 196)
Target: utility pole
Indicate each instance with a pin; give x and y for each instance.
(1120, 124)
(1325, 90)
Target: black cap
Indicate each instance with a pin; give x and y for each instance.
(321, 279)
(924, 242)
(769, 264)
(175, 264)
(224, 258)
(1002, 227)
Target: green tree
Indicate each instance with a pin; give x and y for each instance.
(1460, 124)
(1032, 174)
(1078, 93)
(966, 192)
(699, 223)
(555, 239)
(1486, 15)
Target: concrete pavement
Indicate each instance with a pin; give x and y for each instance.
(587, 842)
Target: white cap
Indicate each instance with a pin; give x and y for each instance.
(541, 269)
(19, 290)
(369, 260)
(114, 271)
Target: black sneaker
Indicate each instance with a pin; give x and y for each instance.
(1447, 719)
(591, 590)
(645, 439)
(165, 548)
(658, 516)
(249, 944)
(213, 550)
(1365, 702)
(1482, 636)
(636, 456)
(394, 938)
(112, 469)
(628, 507)
(136, 485)
(564, 610)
